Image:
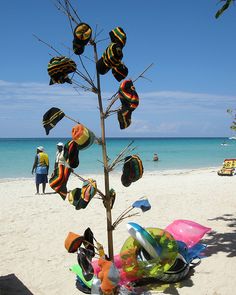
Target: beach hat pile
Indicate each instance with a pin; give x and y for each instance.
(82, 138)
(112, 56)
(82, 35)
(58, 69)
(132, 170)
(129, 102)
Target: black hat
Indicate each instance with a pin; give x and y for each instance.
(128, 96)
(58, 69)
(51, 118)
(118, 35)
(101, 67)
(113, 55)
(120, 72)
(82, 35)
(124, 118)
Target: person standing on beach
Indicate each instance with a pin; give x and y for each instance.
(59, 155)
(40, 167)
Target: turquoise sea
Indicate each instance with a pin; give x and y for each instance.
(17, 155)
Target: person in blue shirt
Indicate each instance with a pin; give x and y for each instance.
(40, 167)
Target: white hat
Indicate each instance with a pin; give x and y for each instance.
(60, 144)
(40, 148)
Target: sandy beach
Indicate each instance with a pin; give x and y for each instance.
(33, 229)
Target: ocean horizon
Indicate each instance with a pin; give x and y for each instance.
(175, 153)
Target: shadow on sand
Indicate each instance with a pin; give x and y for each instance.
(222, 242)
(11, 285)
(151, 286)
(215, 241)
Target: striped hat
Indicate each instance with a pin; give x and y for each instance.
(101, 67)
(71, 153)
(58, 69)
(120, 72)
(80, 197)
(82, 35)
(112, 55)
(58, 180)
(51, 118)
(124, 118)
(128, 96)
(118, 35)
(132, 170)
(82, 136)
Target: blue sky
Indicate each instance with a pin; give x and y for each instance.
(189, 88)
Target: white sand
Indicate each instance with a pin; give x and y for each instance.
(33, 229)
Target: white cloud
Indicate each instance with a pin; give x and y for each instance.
(161, 113)
(188, 95)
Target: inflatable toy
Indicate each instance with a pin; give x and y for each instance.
(137, 262)
(150, 253)
(145, 239)
(187, 231)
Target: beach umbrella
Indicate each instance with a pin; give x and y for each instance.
(58, 69)
(82, 35)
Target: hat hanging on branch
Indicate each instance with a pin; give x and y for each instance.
(82, 35)
(58, 69)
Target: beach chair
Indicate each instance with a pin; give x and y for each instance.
(229, 168)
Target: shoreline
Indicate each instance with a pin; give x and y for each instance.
(116, 173)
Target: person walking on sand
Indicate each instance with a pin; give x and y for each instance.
(40, 167)
(59, 155)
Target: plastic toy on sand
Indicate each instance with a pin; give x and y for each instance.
(187, 231)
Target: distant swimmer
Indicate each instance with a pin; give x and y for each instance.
(155, 157)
